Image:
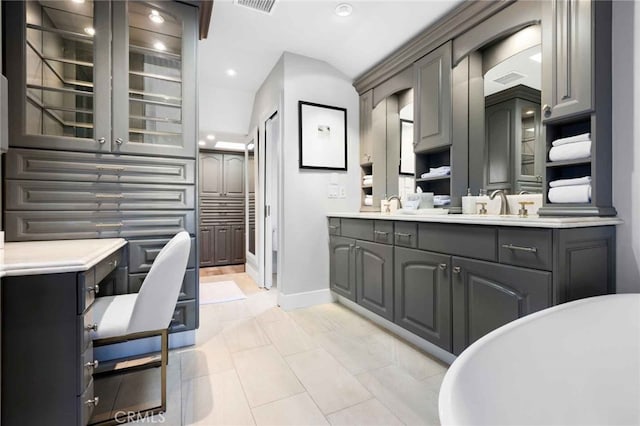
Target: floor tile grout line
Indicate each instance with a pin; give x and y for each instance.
(244, 393)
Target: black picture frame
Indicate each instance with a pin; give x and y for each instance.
(309, 114)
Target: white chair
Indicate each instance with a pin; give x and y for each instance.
(146, 313)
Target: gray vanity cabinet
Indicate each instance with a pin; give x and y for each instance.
(237, 244)
(374, 277)
(233, 175)
(432, 106)
(206, 246)
(366, 123)
(422, 288)
(211, 174)
(342, 267)
(222, 243)
(487, 295)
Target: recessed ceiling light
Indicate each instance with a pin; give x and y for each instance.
(537, 57)
(90, 30)
(211, 137)
(529, 112)
(236, 146)
(231, 72)
(202, 143)
(344, 9)
(156, 17)
(251, 146)
(530, 129)
(78, 1)
(158, 45)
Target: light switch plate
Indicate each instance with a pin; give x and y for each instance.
(332, 190)
(343, 192)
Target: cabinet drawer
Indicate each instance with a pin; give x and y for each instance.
(64, 225)
(107, 265)
(86, 405)
(48, 195)
(359, 229)
(383, 232)
(406, 234)
(33, 164)
(142, 253)
(531, 248)
(462, 240)
(85, 328)
(184, 316)
(334, 226)
(86, 289)
(86, 368)
(187, 291)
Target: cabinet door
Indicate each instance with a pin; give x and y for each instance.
(366, 124)
(432, 107)
(59, 74)
(222, 245)
(154, 84)
(211, 174)
(567, 57)
(422, 289)
(233, 175)
(341, 266)
(238, 236)
(489, 295)
(251, 173)
(374, 277)
(499, 120)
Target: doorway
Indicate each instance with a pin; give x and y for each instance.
(271, 228)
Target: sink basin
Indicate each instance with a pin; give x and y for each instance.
(423, 212)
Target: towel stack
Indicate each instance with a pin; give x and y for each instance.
(368, 200)
(367, 180)
(576, 190)
(441, 200)
(571, 148)
(437, 172)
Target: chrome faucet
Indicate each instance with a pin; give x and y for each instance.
(504, 204)
(395, 197)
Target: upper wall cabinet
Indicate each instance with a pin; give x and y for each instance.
(567, 41)
(84, 81)
(432, 114)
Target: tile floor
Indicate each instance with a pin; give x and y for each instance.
(253, 363)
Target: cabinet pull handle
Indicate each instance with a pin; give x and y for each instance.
(92, 365)
(403, 235)
(109, 225)
(94, 401)
(90, 327)
(113, 263)
(381, 233)
(457, 269)
(119, 141)
(443, 266)
(95, 289)
(101, 141)
(519, 248)
(109, 195)
(546, 110)
(110, 168)
(333, 227)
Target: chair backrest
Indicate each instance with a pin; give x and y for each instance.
(159, 293)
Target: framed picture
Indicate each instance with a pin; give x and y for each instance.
(323, 136)
(407, 157)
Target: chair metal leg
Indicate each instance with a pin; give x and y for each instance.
(163, 368)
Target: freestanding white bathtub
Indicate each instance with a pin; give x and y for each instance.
(573, 364)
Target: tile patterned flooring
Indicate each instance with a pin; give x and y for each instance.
(253, 363)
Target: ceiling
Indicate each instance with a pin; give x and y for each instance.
(251, 42)
(521, 63)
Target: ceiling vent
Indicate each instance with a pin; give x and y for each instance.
(509, 78)
(264, 6)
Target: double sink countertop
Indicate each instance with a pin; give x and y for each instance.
(532, 221)
(52, 257)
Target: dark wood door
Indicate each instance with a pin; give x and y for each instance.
(341, 266)
(488, 295)
(422, 289)
(206, 246)
(237, 244)
(211, 174)
(374, 277)
(222, 250)
(233, 175)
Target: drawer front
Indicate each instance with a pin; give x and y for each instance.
(406, 234)
(85, 325)
(477, 242)
(108, 264)
(86, 405)
(184, 316)
(360, 229)
(531, 248)
(48, 195)
(59, 225)
(86, 289)
(383, 232)
(187, 291)
(334, 226)
(34, 164)
(86, 369)
(142, 253)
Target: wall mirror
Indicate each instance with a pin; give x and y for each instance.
(513, 146)
(252, 182)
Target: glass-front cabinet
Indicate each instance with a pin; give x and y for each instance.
(103, 76)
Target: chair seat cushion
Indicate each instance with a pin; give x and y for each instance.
(112, 314)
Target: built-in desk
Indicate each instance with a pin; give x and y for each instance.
(48, 288)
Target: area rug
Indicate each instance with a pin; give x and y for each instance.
(220, 292)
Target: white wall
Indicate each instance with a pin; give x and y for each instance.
(304, 202)
(626, 142)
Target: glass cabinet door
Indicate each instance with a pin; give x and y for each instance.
(59, 79)
(154, 79)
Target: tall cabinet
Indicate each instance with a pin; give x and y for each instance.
(102, 129)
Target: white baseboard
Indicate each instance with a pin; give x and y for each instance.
(421, 343)
(289, 302)
(143, 346)
(252, 272)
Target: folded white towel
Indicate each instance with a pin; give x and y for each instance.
(367, 177)
(368, 196)
(441, 200)
(572, 139)
(436, 173)
(570, 194)
(570, 151)
(586, 180)
(440, 169)
(368, 201)
(367, 182)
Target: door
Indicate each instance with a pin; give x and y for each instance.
(59, 74)
(154, 95)
(237, 244)
(374, 277)
(222, 245)
(211, 174)
(206, 246)
(499, 139)
(271, 144)
(233, 175)
(489, 295)
(422, 289)
(342, 278)
(567, 57)
(432, 107)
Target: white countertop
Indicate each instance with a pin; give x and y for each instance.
(532, 221)
(53, 257)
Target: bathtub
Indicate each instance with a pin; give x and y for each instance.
(573, 364)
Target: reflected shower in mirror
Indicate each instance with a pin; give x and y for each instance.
(514, 150)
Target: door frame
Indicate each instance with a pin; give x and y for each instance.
(270, 158)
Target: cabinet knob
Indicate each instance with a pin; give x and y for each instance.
(95, 289)
(546, 110)
(442, 266)
(93, 327)
(457, 270)
(93, 401)
(92, 365)
(101, 141)
(119, 141)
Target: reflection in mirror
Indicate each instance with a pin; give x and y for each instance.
(406, 179)
(514, 149)
(252, 179)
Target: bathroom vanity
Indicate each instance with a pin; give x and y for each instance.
(451, 279)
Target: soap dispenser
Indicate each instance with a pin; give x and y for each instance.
(469, 203)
